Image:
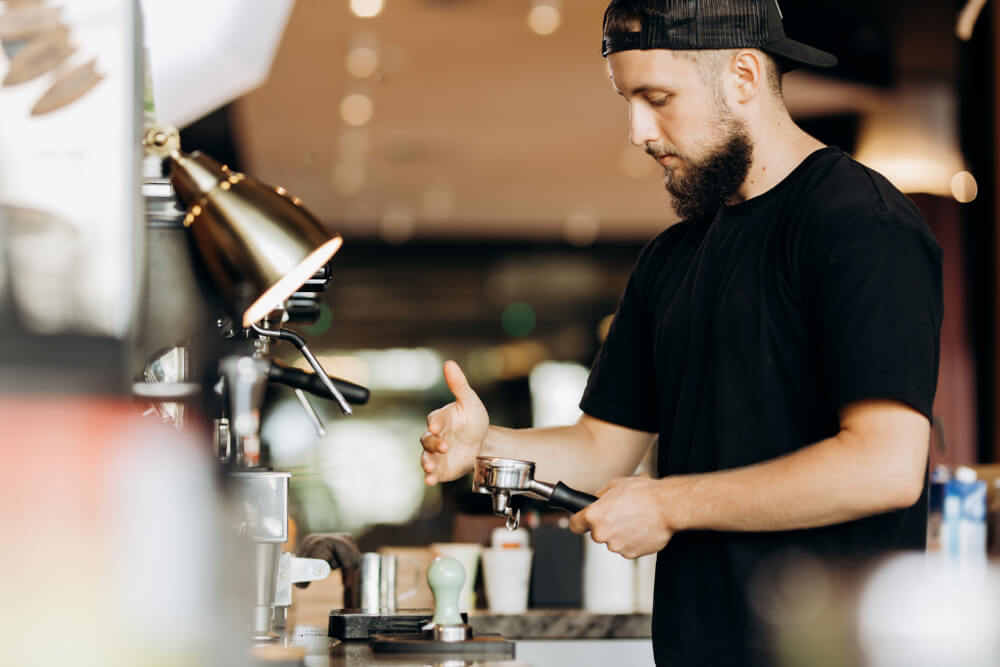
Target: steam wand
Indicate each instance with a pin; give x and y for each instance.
(314, 417)
(300, 343)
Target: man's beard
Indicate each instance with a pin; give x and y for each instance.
(706, 184)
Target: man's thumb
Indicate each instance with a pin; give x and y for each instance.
(457, 383)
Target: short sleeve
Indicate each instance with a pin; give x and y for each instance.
(621, 388)
(875, 296)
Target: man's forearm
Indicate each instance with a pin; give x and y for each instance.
(574, 454)
(835, 480)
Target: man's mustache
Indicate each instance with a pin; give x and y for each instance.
(658, 151)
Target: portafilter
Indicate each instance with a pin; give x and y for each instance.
(502, 478)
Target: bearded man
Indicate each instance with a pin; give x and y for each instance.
(781, 341)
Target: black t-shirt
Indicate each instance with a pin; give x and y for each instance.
(738, 339)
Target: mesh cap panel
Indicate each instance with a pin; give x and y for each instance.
(706, 24)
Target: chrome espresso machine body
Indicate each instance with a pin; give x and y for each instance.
(216, 300)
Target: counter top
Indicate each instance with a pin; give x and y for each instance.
(534, 624)
(321, 651)
(562, 624)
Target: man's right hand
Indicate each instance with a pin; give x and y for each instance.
(455, 432)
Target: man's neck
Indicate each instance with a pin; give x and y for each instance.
(779, 147)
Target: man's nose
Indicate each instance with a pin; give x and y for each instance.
(642, 128)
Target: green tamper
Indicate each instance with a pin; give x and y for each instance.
(445, 577)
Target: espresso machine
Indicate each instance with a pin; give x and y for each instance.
(230, 262)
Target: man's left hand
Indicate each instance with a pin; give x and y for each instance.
(629, 516)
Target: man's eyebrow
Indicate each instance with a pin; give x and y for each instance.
(641, 90)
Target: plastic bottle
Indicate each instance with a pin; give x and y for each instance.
(935, 506)
(964, 534)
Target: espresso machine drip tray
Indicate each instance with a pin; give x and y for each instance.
(358, 624)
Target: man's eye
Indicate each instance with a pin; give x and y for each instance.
(658, 101)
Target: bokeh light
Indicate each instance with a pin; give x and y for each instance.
(582, 228)
(544, 19)
(367, 9)
(357, 109)
(556, 388)
(964, 187)
(362, 61)
(518, 319)
(397, 225)
(322, 324)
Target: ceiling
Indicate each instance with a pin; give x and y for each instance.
(483, 129)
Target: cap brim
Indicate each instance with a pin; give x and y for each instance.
(798, 52)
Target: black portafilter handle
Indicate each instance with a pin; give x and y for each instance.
(569, 499)
(306, 381)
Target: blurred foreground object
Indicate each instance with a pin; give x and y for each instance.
(911, 609)
(967, 18)
(202, 55)
(117, 556)
(917, 610)
(69, 195)
(40, 44)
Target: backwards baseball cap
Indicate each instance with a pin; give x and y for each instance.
(709, 24)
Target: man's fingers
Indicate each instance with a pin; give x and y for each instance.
(578, 524)
(434, 444)
(457, 383)
(427, 462)
(435, 421)
(429, 466)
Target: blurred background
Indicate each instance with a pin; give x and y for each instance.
(475, 158)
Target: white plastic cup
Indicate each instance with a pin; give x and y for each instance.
(608, 580)
(501, 537)
(466, 553)
(645, 574)
(506, 573)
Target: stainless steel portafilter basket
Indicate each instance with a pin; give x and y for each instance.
(502, 478)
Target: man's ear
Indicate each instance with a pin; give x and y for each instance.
(749, 73)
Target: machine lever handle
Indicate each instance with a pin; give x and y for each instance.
(569, 499)
(298, 379)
